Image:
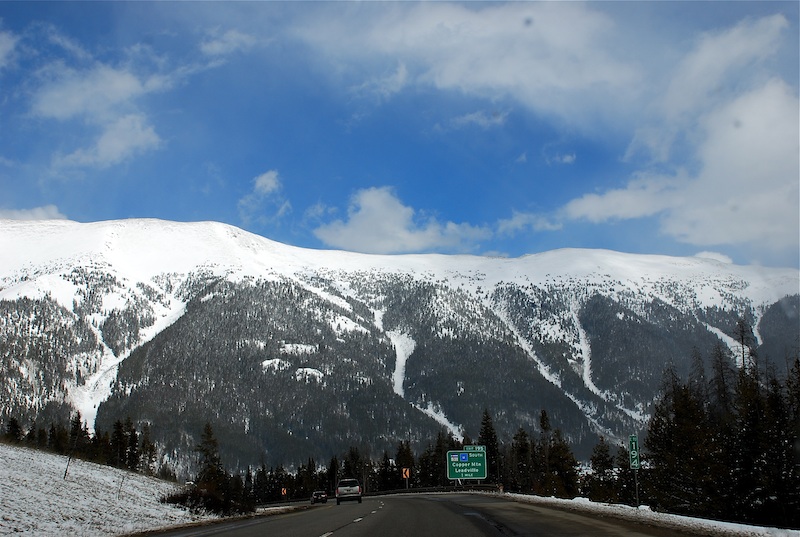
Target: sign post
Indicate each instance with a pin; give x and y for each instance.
(633, 451)
(469, 463)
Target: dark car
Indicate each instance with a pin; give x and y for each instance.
(319, 496)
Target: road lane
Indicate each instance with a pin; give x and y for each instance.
(428, 515)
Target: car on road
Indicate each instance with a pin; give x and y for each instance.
(319, 496)
(348, 490)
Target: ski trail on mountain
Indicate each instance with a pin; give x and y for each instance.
(97, 388)
(404, 346)
(586, 353)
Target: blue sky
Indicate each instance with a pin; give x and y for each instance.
(482, 128)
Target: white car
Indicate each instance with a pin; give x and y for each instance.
(348, 489)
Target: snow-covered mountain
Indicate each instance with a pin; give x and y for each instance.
(295, 352)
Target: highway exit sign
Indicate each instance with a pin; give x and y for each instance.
(469, 463)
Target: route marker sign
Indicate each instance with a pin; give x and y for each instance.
(469, 463)
(633, 450)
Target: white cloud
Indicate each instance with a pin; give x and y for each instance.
(317, 211)
(98, 97)
(745, 190)
(8, 42)
(227, 43)
(521, 221)
(378, 222)
(715, 256)
(266, 183)
(482, 119)
(69, 45)
(384, 86)
(94, 94)
(702, 73)
(46, 212)
(720, 65)
(120, 140)
(644, 196)
(552, 57)
(568, 158)
(265, 192)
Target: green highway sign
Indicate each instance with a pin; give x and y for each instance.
(633, 450)
(469, 463)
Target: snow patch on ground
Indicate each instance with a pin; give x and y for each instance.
(404, 346)
(275, 364)
(298, 348)
(437, 414)
(308, 374)
(586, 353)
(95, 500)
(693, 526)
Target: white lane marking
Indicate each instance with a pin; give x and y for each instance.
(372, 513)
(359, 519)
(327, 534)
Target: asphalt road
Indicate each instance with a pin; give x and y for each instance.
(459, 515)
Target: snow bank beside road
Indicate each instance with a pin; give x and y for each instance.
(93, 500)
(695, 526)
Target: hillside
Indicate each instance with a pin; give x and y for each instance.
(288, 350)
(36, 499)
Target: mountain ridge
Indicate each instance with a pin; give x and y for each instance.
(417, 329)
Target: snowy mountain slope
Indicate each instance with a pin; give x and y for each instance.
(36, 498)
(157, 319)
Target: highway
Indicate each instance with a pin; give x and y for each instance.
(459, 515)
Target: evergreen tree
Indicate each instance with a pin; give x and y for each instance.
(354, 465)
(562, 480)
(698, 383)
(387, 474)
(118, 446)
(520, 463)
(211, 473)
(32, 435)
(722, 382)
(41, 438)
(13, 431)
(540, 455)
(600, 484)
(781, 477)
(132, 453)
(743, 334)
(78, 436)
(749, 446)
(427, 473)
(404, 458)
(148, 451)
(248, 486)
(58, 439)
(334, 473)
(625, 481)
(677, 441)
(488, 437)
(444, 443)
